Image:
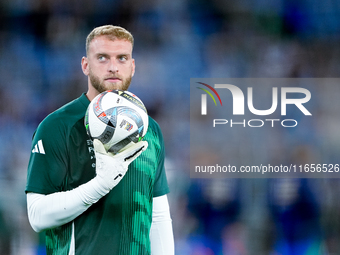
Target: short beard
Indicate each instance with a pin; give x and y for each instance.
(100, 86)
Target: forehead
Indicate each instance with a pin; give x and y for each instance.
(103, 44)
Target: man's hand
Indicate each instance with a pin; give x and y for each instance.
(111, 168)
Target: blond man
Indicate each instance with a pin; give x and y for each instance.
(74, 191)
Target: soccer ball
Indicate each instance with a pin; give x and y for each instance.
(116, 118)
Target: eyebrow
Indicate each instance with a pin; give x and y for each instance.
(124, 55)
(108, 55)
(102, 54)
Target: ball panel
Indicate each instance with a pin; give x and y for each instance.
(109, 100)
(106, 136)
(96, 125)
(125, 127)
(119, 145)
(133, 99)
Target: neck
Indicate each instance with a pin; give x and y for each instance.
(91, 93)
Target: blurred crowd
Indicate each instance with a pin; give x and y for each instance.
(41, 45)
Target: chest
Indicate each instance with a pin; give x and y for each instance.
(82, 163)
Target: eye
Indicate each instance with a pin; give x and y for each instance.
(101, 58)
(123, 58)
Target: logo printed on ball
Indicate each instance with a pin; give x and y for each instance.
(128, 126)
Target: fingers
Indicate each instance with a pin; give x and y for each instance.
(133, 151)
(99, 146)
(129, 153)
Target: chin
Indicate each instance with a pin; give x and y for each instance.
(114, 86)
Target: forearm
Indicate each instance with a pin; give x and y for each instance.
(53, 210)
(161, 233)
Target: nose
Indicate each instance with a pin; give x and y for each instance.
(112, 67)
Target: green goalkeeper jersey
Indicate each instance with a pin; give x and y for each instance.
(62, 158)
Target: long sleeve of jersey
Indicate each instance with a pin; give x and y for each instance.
(56, 209)
(161, 234)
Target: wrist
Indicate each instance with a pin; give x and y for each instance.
(93, 190)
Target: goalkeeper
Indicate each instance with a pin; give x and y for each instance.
(86, 200)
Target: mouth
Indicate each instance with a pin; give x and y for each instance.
(112, 79)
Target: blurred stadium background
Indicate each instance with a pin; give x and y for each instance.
(41, 45)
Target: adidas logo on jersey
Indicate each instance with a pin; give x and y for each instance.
(39, 148)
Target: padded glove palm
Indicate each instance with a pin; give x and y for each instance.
(110, 168)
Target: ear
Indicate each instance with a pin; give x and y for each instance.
(85, 65)
(133, 67)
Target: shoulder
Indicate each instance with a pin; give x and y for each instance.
(154, 126)
(69, 112)
(64, 117)
(154, 132)
(154, 137)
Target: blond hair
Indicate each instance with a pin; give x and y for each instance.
(112, 32)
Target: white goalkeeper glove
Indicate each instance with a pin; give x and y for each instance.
(110, 168)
